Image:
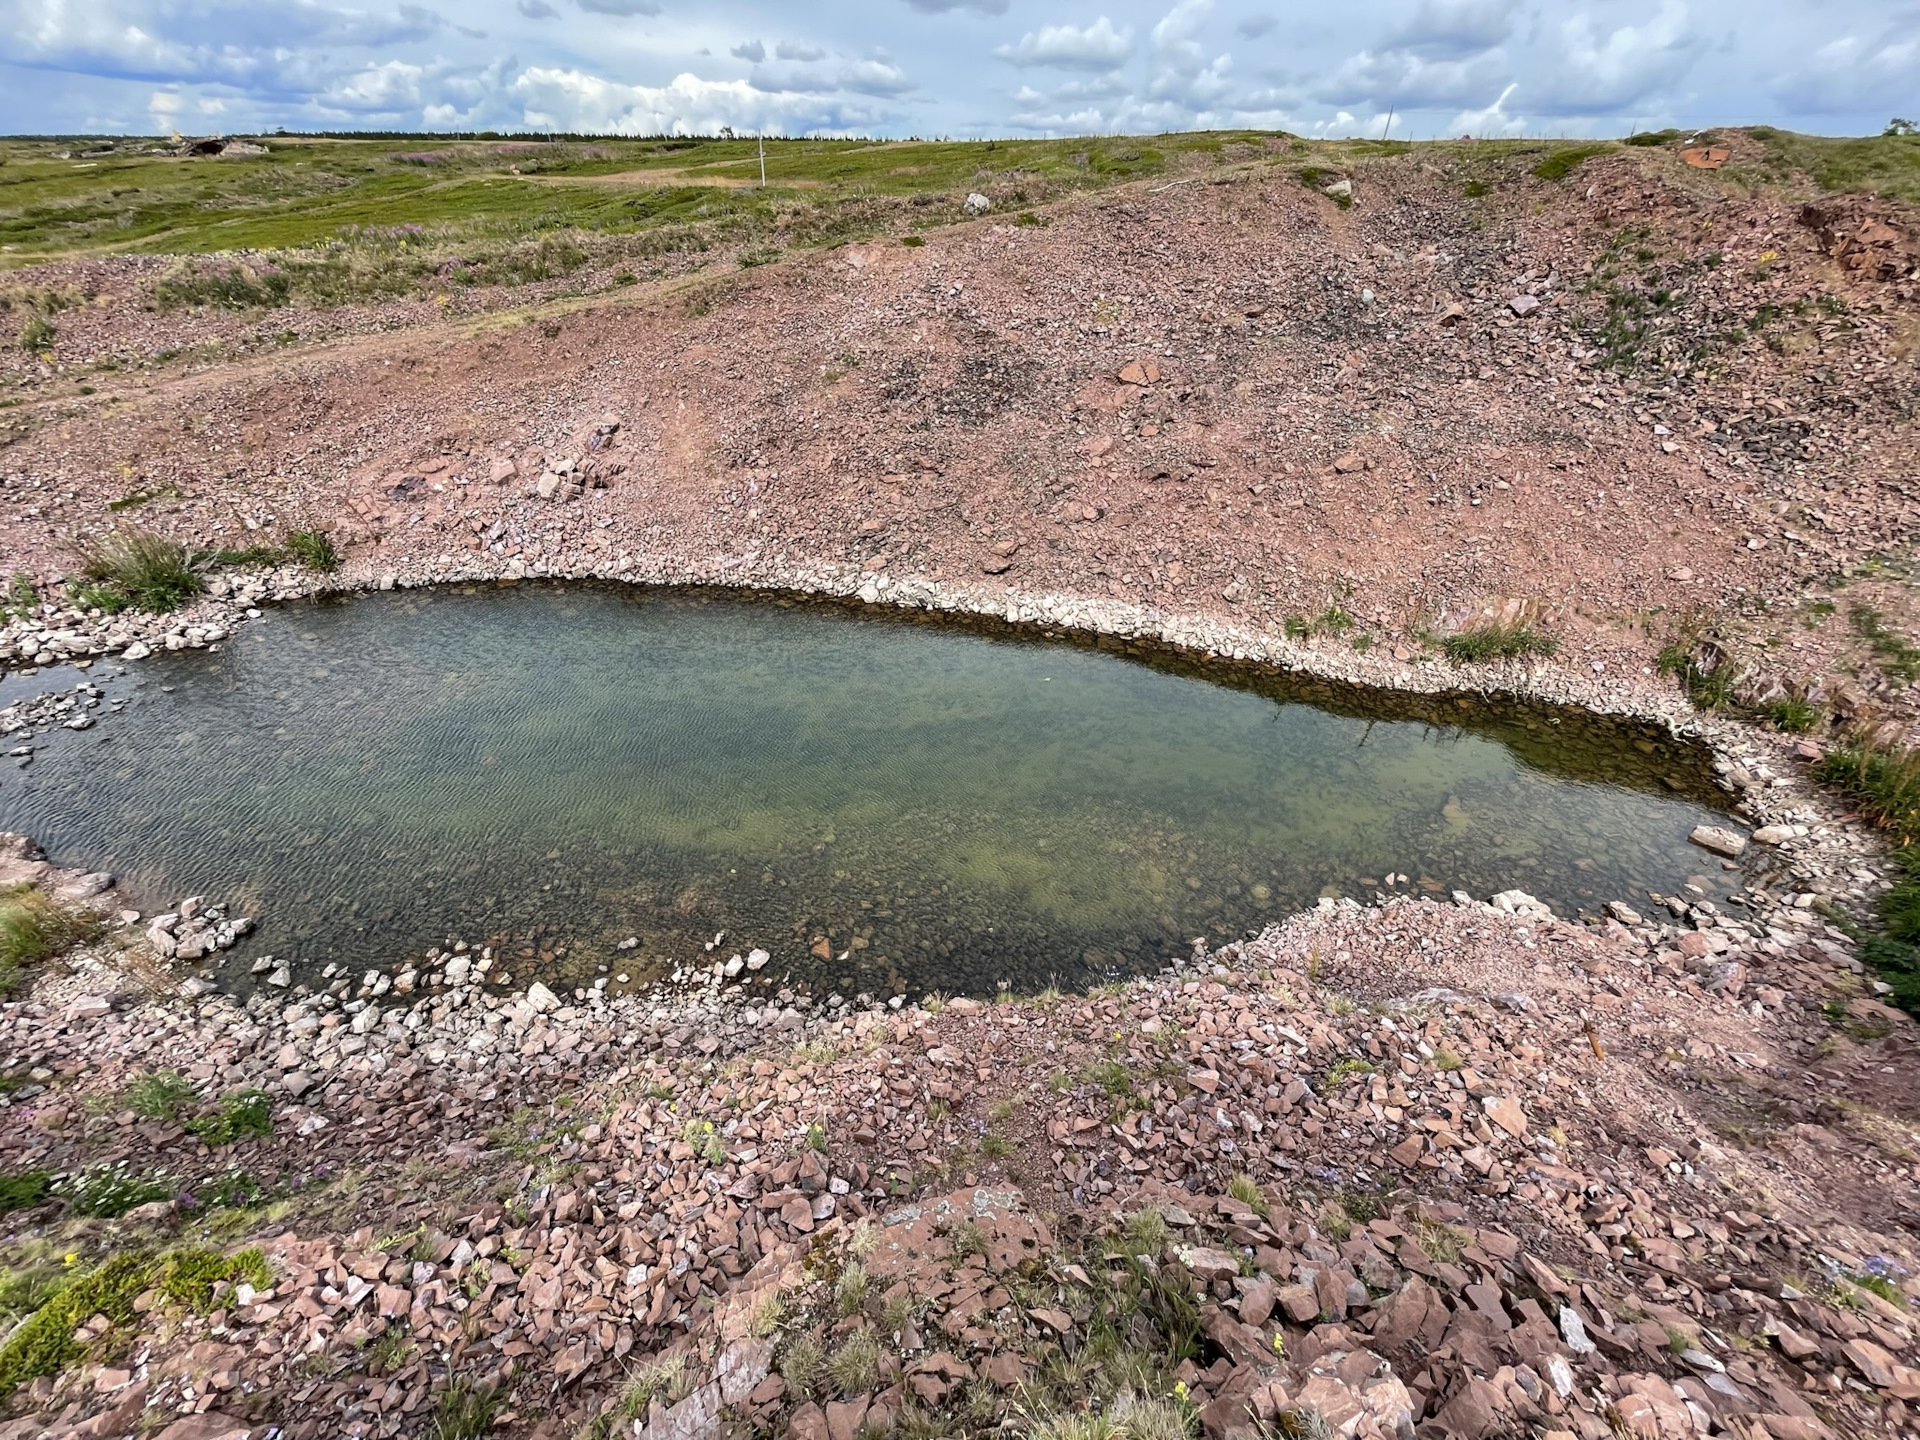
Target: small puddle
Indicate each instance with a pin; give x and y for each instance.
(888, 803)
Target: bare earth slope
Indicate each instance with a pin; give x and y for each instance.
(1227, 395)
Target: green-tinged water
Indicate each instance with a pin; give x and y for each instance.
(933, 806)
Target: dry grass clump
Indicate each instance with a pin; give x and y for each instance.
(35, 928)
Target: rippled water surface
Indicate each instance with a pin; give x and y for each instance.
(885, 803)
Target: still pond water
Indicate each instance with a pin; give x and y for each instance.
(886, 803)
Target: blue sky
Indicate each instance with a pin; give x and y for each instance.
(957, 67)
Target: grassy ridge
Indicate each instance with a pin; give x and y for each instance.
(308, 191)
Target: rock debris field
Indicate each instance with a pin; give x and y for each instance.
(1407, 1169)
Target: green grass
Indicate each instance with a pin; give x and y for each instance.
(1709, 687)
(336, 219)
(1562, 163)
(1880, 1285)
(670, 1379)
(1885, 782)
(151, 571)
(22, 599)
(24, 1190)
(1791, 715)
(106, 1192)
(1345, 1071)
(1891, 651)
(313, 549)
(1243, 1189)
(159, 1095)
(243, 1115)
(465, 1412)
(104, 598)
(1330, 621)
(252, 555)
(34, 929)
(45, 1344)
(25, 1288)
(1888, 165)
(1499, 642)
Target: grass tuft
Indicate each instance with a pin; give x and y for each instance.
(850, 1290)
(243, 1115)
(1891, 652)
(1499, 642)
(161, 1095)
(1885, 782)
(802, 1365)
(150, 571)
(1705, 671)
(24, 1191)
(465, 1412)
(313, 549)
(1243, 1189)
(855, 1366)
(34, 929)
(1791, 715)
(21, 598)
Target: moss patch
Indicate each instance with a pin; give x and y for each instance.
(45, 1344)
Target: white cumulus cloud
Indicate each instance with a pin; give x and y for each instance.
(571, 99)
(1098, 46)
(1600, 71)
(1854, 73)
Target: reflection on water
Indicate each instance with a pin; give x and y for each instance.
(883, 802)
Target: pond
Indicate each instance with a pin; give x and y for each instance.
(886, 802)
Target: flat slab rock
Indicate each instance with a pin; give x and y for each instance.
(1720, 840)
